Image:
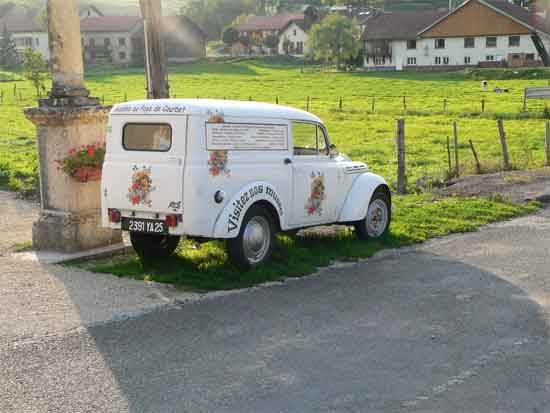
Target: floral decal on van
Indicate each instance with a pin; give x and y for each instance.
(218, 163)
(142, 186)
(315, 201)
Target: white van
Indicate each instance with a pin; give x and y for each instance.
(239, 171)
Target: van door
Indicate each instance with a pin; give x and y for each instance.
(144, 166)
(316, 190)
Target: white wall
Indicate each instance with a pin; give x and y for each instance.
(294, 34)
(37, 41)
(426, 53)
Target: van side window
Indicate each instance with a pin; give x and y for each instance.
(309, 139)
(147, 137)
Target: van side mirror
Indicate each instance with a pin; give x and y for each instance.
(334, 152)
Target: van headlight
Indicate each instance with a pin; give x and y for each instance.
(219, 196)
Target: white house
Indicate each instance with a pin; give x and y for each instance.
(296, 37)
(26, 33)
(478, 33)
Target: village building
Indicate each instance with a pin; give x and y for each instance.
(289, 29)
(120, 39)
(26, 33)
(487, 33)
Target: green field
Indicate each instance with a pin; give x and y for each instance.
(363, 135)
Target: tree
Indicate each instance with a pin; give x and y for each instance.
(271, 42)
(36, 70)
(230, 36)
(8, 51)
(335, 39)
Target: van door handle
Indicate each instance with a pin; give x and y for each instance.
(288, 161)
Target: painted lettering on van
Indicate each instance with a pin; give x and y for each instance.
(239, 206)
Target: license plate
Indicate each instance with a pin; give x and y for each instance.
(146, 226)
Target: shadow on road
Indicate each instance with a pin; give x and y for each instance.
(419, 332)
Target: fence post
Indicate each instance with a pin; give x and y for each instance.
(449, 155)
(307, 105)
(373, 104)
(401, 165)
(525, 100)
(15, 90)
(250, 98)
(444, 105)
(504, 144)
(457, 160)
(405, 103)
(478, 165)
(341, 104)
(126, 96)
(482, 105)
(547, 143)
(276, 100)
(2, 97)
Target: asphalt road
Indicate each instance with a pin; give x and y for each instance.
(458, 325)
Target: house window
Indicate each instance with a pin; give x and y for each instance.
(440, 43)
(92, 42)
(300, 48)
(490, 58)
(379, 61)
(445, 60)
(514, 41)
(122, 55)
(438, 60)
(294, 32)
(37, 42)
(122, 41)
(469, 42)
(467, 60)
(106, 42)
(530, 56)
(28, 41)
(411, 60)
(491, 42)
(411, 44)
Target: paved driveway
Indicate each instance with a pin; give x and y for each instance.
(458, 325)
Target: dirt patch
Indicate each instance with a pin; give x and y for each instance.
(16, 219)
(515, 186)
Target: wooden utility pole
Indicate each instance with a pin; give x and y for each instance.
(547, 143)
(457, 158)
(155, 55)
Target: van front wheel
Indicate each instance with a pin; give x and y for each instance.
(150, 246)
(255, 242)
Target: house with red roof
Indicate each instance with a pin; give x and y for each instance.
(488, 33)
(290, 29)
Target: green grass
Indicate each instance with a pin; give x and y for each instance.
(365, 136)
(416, 219)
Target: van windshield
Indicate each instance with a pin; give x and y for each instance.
(147, 137)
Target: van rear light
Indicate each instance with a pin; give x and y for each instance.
(172, 221)
(115, 216)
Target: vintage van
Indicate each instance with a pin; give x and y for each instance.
(236, 171)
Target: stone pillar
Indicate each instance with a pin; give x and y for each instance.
(70, 211)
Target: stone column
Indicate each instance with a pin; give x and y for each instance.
(68, 118)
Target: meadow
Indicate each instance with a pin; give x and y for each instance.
(356, 130)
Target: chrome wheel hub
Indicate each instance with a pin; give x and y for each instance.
(377, 218)
(256, 239)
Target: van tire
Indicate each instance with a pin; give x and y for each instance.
(364, 229)
(256, 240)
(150, 247)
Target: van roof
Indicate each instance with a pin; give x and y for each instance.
(208, 107)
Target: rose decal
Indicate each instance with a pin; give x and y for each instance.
(218, 163)
(314, 203)
(142, 186)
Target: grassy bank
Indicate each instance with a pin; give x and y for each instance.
(357, 130)
(416, 219)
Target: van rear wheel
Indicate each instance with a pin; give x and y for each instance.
(149, 246)
(254, 245)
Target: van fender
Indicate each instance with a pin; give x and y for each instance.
(359, 197)
(228, 224)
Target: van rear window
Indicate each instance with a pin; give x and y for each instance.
(147, 137)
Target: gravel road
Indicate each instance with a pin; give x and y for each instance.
(458, 324)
